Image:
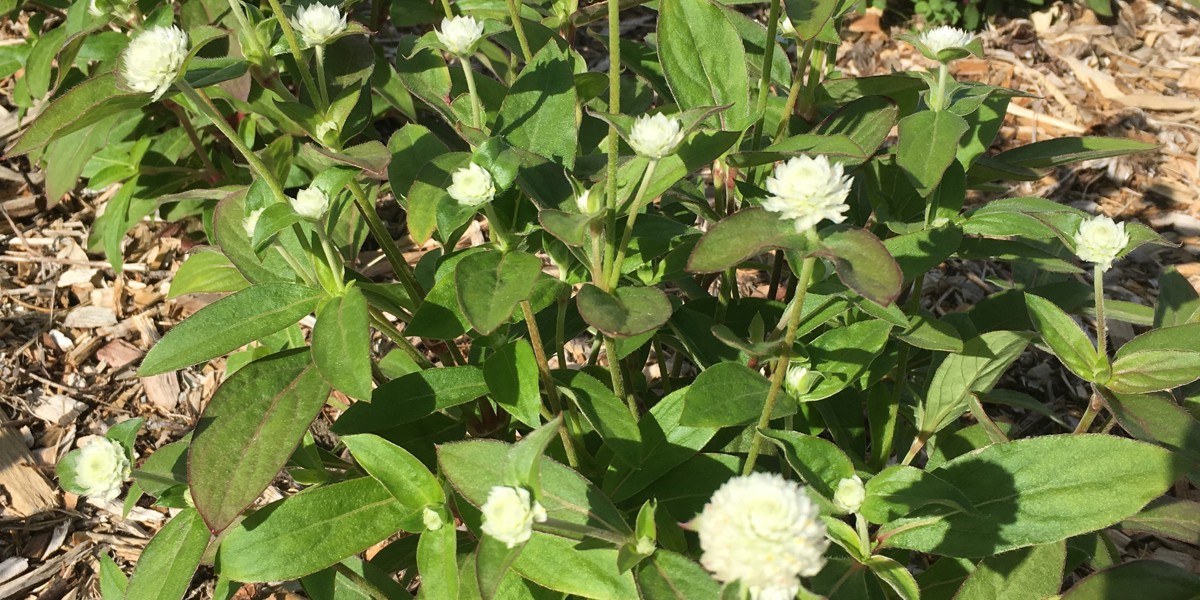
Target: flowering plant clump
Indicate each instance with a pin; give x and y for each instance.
(153, 59)
(317, 23)
(482, 298)
(807, 190)
(763, 531)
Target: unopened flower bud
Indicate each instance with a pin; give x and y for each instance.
(432, 520)
(850, 494)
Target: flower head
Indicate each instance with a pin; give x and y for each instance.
(509, 515)
(317, 22)
(655, 136)
(459, 34)
(310, 203)
(944, 38)
(800, 380)
(586, 204)
(850, 494)
(471, 186)
(808, 190)
(762, 530)
(250, 222)
(1099, 240)
(431, 519)
(101, 470)
(153, 59)
(786, 27)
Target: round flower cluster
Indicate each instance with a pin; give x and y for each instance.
(472, 186)
(459, 34)
(808, 190)
(655, 137)
(102, 469)
(152, 61)
(786, 27)
(944, 38)
(509, 514)
(800, 380)
(762, 530)
(1099, 240)
(317, 22)
(310, 203)
(587, 205)
(850, 494)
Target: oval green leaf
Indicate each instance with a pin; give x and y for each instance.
(341, 344)
(628, 312)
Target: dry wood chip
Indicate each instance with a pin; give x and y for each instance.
(90, 317)
(57, 409)
(118, 354)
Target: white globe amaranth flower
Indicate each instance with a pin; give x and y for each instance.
(1099, 240)
(764, 531)
(808, 190)
(786, 28)
(101, 470)
(509, 514)
(310, 203)
(850, 494)
(587, 204)
(317, 22)
(431, 519)
(655, 136)
(250, 222)
(944, 38)
(799, 380)
(459, 34)
(472, 186)
(152, 60)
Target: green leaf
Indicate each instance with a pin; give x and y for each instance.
(1168, 517)
(838, 147)
(900, 489)
(437, 562)
(729, 394)
(411, 147)
(1137, 579)
(919, 251)
(1064, 151)
(606, 413)
(341, 344)
(670, 576)
(474, 467)
(896, 576)
(511, 373)
(628, 312)
(570, 228)
(165, 568)
(249, 430)
(819, 462)
(228, 324)
(493, 560)
(314, 529)
(1025, 574)
(206, 271)
(1156, 418)
(810, 16)
(703, 59)
(112, 580)
(273, 219)
(666, 444)
(412, 397)
(430, 207)
(82, 105)
(560, 564)
(930, 333)
(1160, 359)
(538, 114)
(863, 264)
(405, 477)
(981, 363)
(741, 236)
(928, 143)
(1024, 496)
(524, 458)
(1067, 339)
(1178, 303)
(125, 433)
(867, 121)
(490, 284)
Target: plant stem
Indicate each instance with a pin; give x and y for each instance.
(939, 100)
(214, 173)
(539, 353)
(385, 326)
(618, 380)
(614, 274)
(515, 14)
(322, 87)
(499, 229)
(776, 275)
(476, 108)
(379, 231)
(206, 105)
(781, 365)
(595, 532)
(289, 34)
(882, 442)
(1101, 322)
(764, 83)
(794, 91)
(446, 9)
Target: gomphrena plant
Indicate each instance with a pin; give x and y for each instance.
(833, 436)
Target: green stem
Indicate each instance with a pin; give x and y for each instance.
(618, 380)
(500, 233)
(322, 87)
(333, 257)
(202, 101)
(289, 34)
(883, 435)
(794, 92)
(1101, 322)
(939, 100)
(213, 172)
(614, 273)
(515, 14)
(476, 108)
(555, 525)
(614, 107)
(539, 353)
(390, 250)
(764, 82)
(446, 9)
(389, 330)
(781, 365)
